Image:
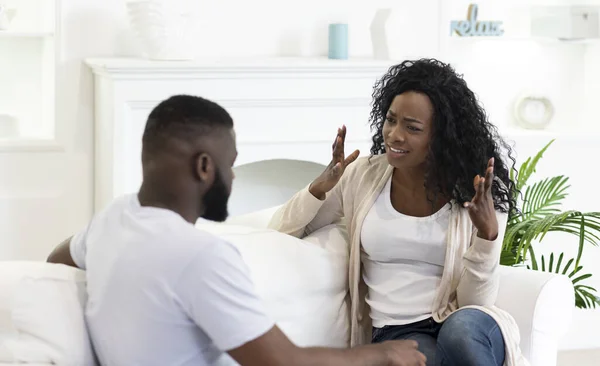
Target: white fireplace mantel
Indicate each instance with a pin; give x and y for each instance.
(129, 68)
(283, 108)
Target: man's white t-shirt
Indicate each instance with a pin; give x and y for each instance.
(161, 291)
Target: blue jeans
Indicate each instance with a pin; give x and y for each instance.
(469, 337)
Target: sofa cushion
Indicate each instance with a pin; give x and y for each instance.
(304, 283)
(41, 314)
(258, 219)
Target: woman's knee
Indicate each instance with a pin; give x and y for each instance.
(470, 333)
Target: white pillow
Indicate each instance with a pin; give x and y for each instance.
(303, 283)
(257, 219)
(42, 314)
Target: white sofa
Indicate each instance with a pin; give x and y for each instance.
(302, 282)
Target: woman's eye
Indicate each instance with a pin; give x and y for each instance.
(413, 128)
(389, 119)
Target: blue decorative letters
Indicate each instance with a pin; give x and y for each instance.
(472, 28)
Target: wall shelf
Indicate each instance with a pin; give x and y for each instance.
(544, 40)
(27, 73)
(24, 145)
(25, 34)
(574, 135)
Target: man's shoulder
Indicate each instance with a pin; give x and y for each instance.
(205, 244)
(117, 205)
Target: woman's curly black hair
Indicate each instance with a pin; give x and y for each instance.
(463, 139)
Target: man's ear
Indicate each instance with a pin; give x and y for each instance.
(204, 168)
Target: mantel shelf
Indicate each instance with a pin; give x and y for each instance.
(13, 145)
(131, 66)
(24, 34)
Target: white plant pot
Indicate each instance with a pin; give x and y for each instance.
(164, 30)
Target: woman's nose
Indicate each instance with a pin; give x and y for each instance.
(397, 134)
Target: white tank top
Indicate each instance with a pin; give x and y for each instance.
(403, 258)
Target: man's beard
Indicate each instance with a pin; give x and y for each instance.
(215, 200)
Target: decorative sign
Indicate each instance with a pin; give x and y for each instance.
(472, 28)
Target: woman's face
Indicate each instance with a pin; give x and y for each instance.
(407, 130)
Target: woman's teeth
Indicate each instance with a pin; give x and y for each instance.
(400, 151)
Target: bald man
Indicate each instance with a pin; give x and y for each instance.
(162, 292)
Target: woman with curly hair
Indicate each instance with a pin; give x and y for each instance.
(425, 214)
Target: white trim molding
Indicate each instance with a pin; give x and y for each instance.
(21, 145)
(128, 68)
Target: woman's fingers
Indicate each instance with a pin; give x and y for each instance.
(489, 175)
(338, 150)
(479, 185)
(337, 169)
(351, 158)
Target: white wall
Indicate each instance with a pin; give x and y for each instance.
(46, 196)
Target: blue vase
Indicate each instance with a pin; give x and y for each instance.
(338, 41)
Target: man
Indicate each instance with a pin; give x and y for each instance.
(161, 291)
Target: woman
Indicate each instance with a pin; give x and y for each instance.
(425, 214)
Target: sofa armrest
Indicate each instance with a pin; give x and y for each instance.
(542, 304)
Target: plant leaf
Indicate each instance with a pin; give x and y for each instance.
(534, 264)
(568, 265)
(581, 240)
(560, 259)
(544, 197)
(581, 278)
(540, 214)
(569, 222)
(543, 264)
(528, 167)
(585, 287)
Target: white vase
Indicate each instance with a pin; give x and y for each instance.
(379, 41)
(164, 29)
(406, 32)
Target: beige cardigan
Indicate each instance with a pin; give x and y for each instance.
(470, 277)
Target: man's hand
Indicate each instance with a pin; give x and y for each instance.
(404, 353)
(275, 349)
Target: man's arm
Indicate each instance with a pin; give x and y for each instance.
(216, 291)
(275, 349)
(62, 254)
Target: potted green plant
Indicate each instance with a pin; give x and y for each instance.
(538, 213)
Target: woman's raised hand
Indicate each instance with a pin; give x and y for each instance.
(332, 174)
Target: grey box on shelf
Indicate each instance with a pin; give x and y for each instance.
(568, 23)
